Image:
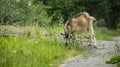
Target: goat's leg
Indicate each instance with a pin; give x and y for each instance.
(66, 42)
(92, 37)
(73, 39)
(66, 39)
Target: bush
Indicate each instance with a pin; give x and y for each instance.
(114, 60)
(44, 49)
(23, 12)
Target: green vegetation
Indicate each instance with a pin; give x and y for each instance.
(29, 29)
(28, 46)
(50, 12)
(102, 33)
(114, 60)
(44, 49)
(105, 34)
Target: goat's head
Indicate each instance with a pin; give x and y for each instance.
(67, 37)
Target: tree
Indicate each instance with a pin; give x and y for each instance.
(23, 12)
(113, 13)
(107, 10)
(29, 11)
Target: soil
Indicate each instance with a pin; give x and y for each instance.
(95, 57)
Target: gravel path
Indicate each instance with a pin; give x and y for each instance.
(94, 57)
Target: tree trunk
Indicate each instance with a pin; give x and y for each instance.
(113, 14)
(112, 21)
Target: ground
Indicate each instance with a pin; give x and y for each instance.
(95, 57)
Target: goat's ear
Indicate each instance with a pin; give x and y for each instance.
(62, 34)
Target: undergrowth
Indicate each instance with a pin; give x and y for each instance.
(105, 34)
(34, 47)
(114, 60)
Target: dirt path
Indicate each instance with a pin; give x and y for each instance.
(94, 57)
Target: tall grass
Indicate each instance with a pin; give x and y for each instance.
(35, 47)
(105, 34)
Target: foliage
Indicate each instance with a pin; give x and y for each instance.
(51, 12)
(23, 12)
(34, 47)
(114, 60)
(30, 46)
(106, 10)
(41, 46)
(103, 33)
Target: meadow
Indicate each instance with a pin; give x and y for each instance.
(35, 46)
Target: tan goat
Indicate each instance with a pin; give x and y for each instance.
(80, 23)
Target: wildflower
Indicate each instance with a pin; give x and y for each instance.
(14, 51)
(36, 42)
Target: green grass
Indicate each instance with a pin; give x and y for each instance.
(40, 50)
(114, 60)
(105, 34)
(102, 34)
(35, 46)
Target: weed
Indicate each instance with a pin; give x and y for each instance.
(39, 46)
(105, 34)
(43, 51)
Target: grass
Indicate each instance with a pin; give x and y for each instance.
(105, 34)
(34, 47)
(114, 60)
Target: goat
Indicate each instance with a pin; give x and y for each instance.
(82, 22)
